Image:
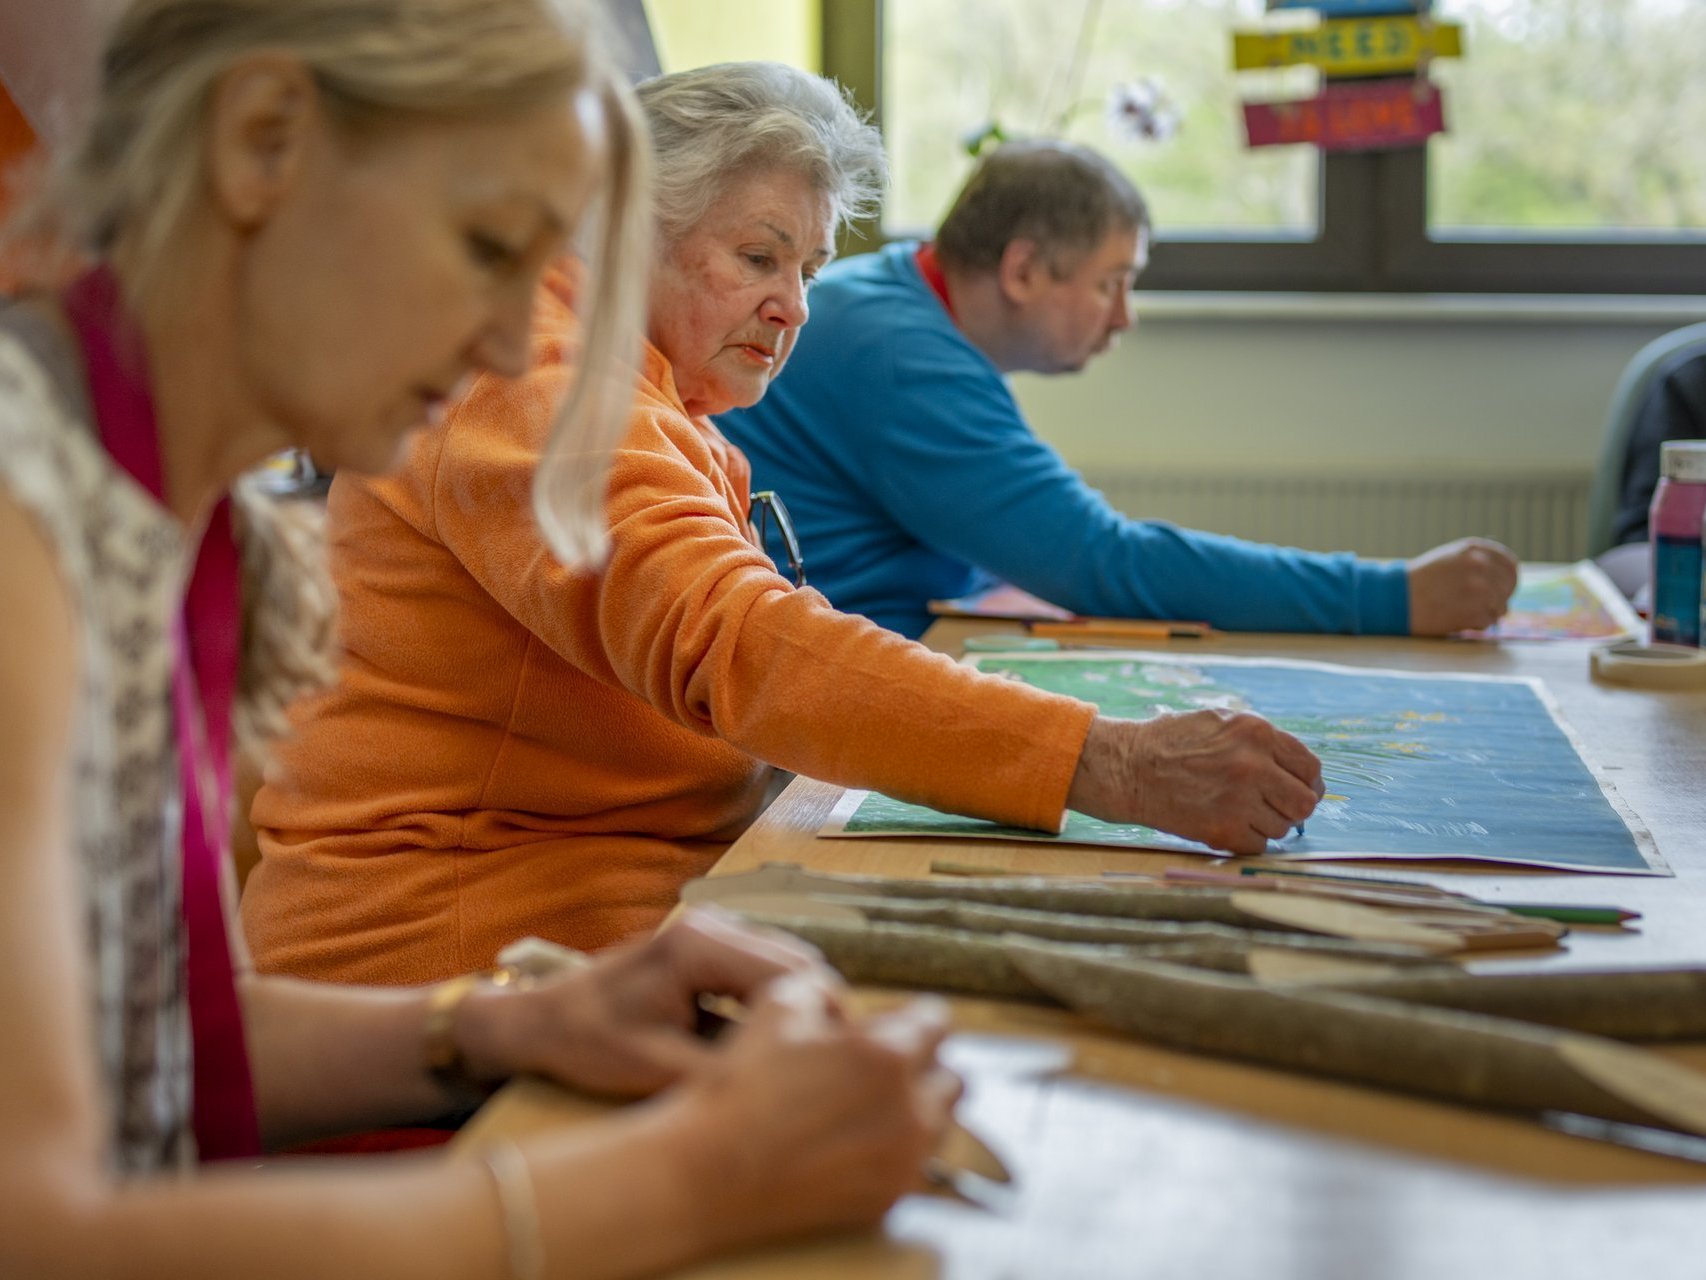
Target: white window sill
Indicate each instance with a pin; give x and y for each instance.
(1421, 308)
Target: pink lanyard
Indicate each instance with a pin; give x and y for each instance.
(205, 638)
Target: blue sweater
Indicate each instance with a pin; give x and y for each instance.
(911, 476)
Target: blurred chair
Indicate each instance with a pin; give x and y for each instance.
(1639, 421)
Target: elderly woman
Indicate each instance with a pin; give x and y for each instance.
(307, 221)
(516, 748)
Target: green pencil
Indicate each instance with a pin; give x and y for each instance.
(1563, 913)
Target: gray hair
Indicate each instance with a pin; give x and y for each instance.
(135, 178)
(715, 124)
(1064, 198)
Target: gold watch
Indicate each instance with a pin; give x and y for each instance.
(440, 1053)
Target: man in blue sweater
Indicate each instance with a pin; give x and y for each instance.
(911, 475)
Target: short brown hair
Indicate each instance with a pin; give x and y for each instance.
(1064, 197)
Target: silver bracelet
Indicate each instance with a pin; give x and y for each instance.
(524, 1242)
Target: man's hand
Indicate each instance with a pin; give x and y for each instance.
(1228, 779)
(1462, 586)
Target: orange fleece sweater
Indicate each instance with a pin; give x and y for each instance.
(513, 748)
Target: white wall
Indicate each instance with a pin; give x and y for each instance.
(1365, 386)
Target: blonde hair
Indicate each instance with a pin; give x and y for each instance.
(134, 180)
(377, 63)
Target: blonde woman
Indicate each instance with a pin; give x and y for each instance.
(303, 225)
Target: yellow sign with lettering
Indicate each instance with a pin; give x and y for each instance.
(1351, 46)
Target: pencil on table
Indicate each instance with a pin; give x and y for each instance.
(1120, 629)
(1565, 913)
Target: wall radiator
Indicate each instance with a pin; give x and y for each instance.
(1539, 517)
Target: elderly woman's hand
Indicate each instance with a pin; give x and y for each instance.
(1229, 779)
(810, 1120)
(623, 1024)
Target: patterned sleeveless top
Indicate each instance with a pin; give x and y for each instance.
(123, 560)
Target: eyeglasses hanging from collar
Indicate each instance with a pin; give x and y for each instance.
(766, 504)
(291, 474)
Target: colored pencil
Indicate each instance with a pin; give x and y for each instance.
(1120, 629)
(1565, 913)
(1663, 1142)
(1562, 913)
(970, 870)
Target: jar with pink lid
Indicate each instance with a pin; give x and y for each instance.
(1674, 523)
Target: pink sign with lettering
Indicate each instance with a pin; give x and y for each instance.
(1373, 115)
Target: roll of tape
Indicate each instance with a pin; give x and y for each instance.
(1651, 666)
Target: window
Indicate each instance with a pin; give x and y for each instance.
(1574, 117)
(963, 63)
(1576, 160)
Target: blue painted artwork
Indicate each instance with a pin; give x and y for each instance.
(1415, 766)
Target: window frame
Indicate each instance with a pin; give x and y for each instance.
(1373, 235)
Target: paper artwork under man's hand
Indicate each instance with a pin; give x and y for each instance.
(1574, 602)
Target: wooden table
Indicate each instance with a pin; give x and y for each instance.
(1146, 1162)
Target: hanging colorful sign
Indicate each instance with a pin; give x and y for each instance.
(1351, 46)
(1377, 115)
(1349, 8)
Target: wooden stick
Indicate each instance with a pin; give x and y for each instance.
(1039, 893)
(1247, 909)
(1469, 1057)
(1637, 1004)
(1055, 926)
(904, 955)
(1444, 1053)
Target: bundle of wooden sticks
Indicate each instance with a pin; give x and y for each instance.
(1347, 987)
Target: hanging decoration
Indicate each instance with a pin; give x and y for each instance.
(1138, 111)
(1373, 56)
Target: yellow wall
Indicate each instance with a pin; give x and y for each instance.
(691, 33)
